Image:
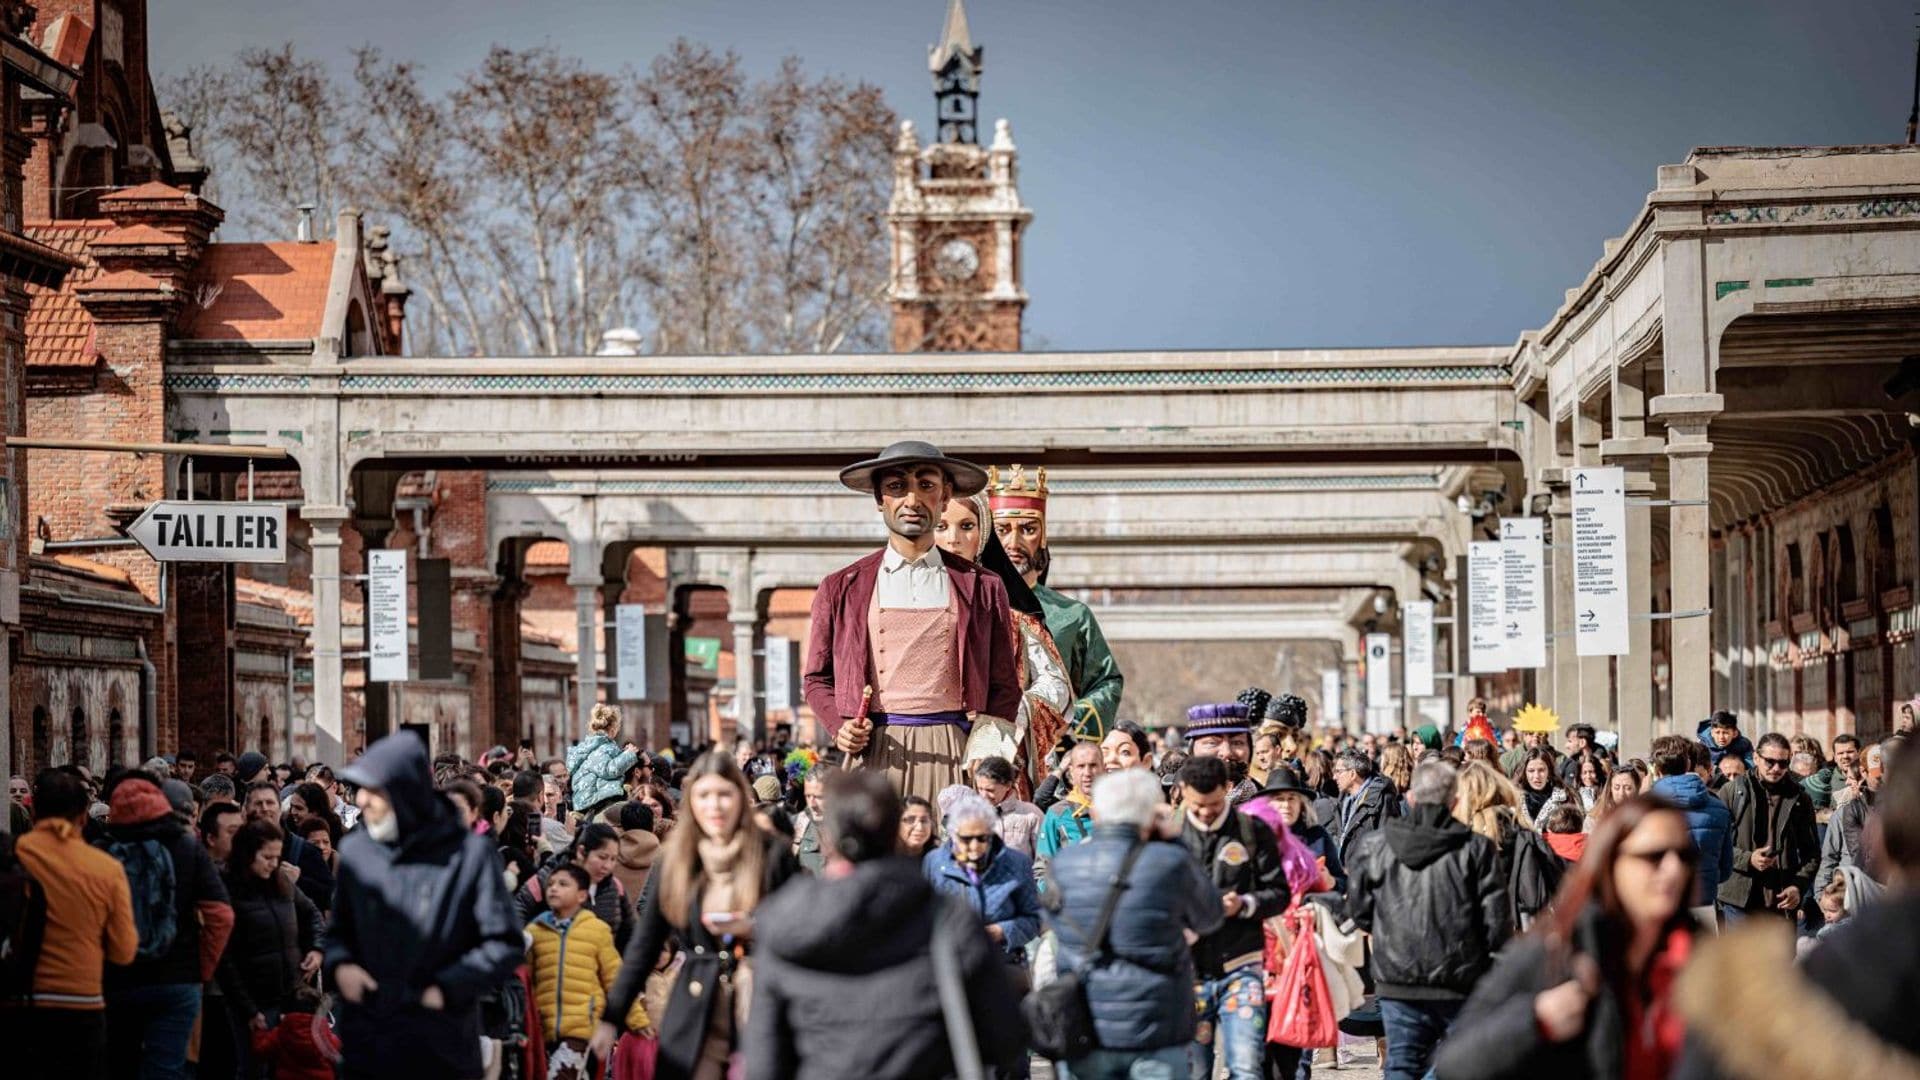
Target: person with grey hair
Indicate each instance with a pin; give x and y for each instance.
(977, 866)
(1431, 893)
(1140, 993)
(1367, 801)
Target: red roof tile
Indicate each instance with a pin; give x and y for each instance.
(152, 189)
(136, 235)
(123, 281)
(260, 292)
(547, 554)
(295, 602)
(59, 331)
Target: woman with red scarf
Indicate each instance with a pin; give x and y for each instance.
(1589, 992)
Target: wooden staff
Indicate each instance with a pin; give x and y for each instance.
(866, 695)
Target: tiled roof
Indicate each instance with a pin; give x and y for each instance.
(547, 554)
(259, 292)
(59, 331)
(295, 602)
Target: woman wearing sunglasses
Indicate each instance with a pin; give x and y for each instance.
(1588, 992)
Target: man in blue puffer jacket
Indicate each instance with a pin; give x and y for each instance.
(1141, 995)
(1674, 760)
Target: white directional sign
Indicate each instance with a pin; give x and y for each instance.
(1379, 671)
(630, 651)
(1599, 562)
(234, 532)
(387, 615)
(1524, 571)
(1486, 608)
(1330, 704)
(1416, 648)
(779, 673)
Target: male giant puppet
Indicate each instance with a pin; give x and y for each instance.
(1020, 517)
(908, 645)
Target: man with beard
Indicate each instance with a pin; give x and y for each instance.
(1020, 519)
(1221, 731)
(908, 645)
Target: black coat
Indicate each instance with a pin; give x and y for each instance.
(430, 910)
(1354, 818)
(196, 882)
(844, 984)
(683, 1030)
(1241, 856)
(272, 932)
(1495, 1036)
(1796, 846)
(1431, 892)
(1141, 995)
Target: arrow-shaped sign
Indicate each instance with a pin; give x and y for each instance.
(1580, 479)
(219, 532)
(1589, 616)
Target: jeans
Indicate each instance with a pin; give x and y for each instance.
(1235, 1005)
(1166, 1063)
(1414, 1028)
(148, 1028)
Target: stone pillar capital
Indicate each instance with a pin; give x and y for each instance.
(1687, 410)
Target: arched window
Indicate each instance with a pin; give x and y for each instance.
(42, 737)
(79, 740)
(116, 738)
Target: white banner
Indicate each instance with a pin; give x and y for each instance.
(1600, 562)
(387, 615)
(630, 655)
(1379, 671)
(1486, 608)
(1416, 648)
(1330, 704)
(779, 673)
(1523, 561)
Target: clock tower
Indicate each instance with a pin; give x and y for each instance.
(955, 217)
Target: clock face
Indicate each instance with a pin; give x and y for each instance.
(957, 260)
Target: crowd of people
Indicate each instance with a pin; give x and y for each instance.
(1486, 907)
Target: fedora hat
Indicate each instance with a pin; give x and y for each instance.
(1282, 778)
(968, 478)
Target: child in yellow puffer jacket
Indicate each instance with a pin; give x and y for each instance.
(571, 955)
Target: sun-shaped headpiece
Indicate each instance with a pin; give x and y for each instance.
(1536, 718)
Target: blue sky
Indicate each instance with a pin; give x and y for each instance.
(1238, 173)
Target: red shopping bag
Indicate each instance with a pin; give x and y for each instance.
(633, 1057)
(1301, 1011)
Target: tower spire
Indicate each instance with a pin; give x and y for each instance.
(955, 65)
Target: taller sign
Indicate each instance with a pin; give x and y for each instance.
(232, 532)
(1600, 562)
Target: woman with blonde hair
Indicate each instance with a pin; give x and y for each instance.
(1493, 806)
(597, 766)
(1396, 764)
(710, 875)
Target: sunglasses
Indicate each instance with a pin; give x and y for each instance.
(971, 839)
(1775, 762)
(1686, 855)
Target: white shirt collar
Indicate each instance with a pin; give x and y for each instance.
(893, 560)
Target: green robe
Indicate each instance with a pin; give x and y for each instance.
(1090, 664)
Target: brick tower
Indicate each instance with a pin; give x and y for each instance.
(956, 217)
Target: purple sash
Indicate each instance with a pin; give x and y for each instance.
(956, 718)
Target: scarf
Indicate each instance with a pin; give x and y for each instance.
(1536, 799)
(717, 860)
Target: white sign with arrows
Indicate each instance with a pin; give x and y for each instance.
(630, 651)
(1416, 648)
(1523, 570)
(228, 532)
(1600, 562)
(387, 615)
(1486, 608)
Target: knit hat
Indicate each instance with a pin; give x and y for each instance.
(179, 795)
(1224, 718)
(766, 789)
(136, 802)
(247, 768)
(1288, 709)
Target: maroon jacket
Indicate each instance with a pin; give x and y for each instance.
(838, 661)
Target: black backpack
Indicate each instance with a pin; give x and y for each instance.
(1535, 878)
(23, 926)
(1058, 1014)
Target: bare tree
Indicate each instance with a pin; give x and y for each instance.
(539, 203)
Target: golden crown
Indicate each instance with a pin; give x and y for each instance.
(1536, 718)
(1013, 494)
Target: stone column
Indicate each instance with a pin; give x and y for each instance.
(1690, 563)
(1634, 454)
(1596, 672)
(1562, 650)
(750, 710)
(586, 651)
(509, 726)
(328, 675)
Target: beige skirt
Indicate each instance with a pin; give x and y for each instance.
(919, 760)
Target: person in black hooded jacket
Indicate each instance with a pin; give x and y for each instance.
(422, 924)
(1431, 893)
(844, 985)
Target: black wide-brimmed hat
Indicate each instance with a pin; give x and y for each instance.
(968, 478)
(1282, 778)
